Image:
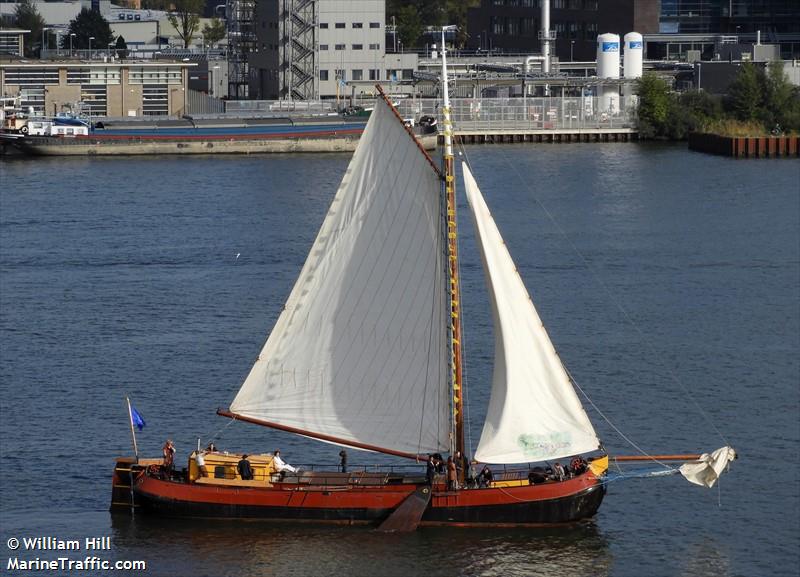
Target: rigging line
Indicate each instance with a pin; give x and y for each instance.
(613, 426)
(217, 434)
(616, 302)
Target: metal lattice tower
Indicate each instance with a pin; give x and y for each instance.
(241, 42)
(297, 57)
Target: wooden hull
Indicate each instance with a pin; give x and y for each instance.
(529, 505)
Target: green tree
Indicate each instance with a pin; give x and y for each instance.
(214, 32)
(27, 17)
(88, 24)
(746, 94)
(185, 18)
(409, 25)
(654, 106)
(121, 47)
(691, 112)
(781, 99)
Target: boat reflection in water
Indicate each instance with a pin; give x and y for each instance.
(216, 548)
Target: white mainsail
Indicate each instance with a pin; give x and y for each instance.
(534, 413)
(360, 350)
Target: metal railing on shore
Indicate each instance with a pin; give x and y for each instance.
(525, 114)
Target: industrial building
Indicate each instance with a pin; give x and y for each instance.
(516, 25)
(99, 88)
(671, 28)
(308, 49)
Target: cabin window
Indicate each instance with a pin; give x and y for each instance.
(219, 472)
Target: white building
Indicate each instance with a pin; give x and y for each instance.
(351, 44)
(325, 49)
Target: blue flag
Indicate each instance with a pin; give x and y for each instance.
(137, 419)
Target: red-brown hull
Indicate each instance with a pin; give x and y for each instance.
(544, 504)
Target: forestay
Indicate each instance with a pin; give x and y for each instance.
(534, 413)
(360, 350)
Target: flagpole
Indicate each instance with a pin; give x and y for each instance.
(133, 432)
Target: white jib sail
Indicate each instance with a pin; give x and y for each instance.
(360, 349)
(709, 467)
(534, 413)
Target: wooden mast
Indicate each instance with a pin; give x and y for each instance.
(452, 259)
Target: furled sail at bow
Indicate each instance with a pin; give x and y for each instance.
(534, 413)
(360, 350)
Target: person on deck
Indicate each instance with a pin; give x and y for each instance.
(430, 470)
(245, 471)
(485, 477)
(558, 472)
(343, 461)
(168, 451)
(280, 465)
(201, 464)
(462, 467)
(452, 475)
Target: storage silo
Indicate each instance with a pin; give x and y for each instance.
(634, 48)
(608, 67)
(632, 66)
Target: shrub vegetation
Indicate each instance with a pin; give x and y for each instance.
(759, 102)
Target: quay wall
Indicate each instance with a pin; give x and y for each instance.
(746, 146)
(551, 136)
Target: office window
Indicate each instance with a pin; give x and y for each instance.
(408, 73)
(323, 74)
(340, 75)
(374, 46)
(358, 24)
(374, 74)
(323, 24)
(339, 47)
(358, 74)
(323, 46)
(374, 24)
(358, 47)
(340, 24)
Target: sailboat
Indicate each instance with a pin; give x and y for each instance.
(367, 354)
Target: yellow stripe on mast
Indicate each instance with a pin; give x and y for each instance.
(452, 250)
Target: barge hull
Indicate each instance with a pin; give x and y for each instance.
(530, 505)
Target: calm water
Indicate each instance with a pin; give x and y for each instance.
(668, 280)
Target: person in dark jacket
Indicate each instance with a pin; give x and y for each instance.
(430, 470)
(245, 471)
(343, 461)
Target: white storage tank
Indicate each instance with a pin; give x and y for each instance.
(634, 49)
(608, 56)
(608, 67)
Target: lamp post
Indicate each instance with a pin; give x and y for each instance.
(699, 77)
(43, 48)
(213, 74)
(90, 46)
(571, 48)
(110, 44)
(71, 36)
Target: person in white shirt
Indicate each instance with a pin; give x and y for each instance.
(201, 463)
(280, 465)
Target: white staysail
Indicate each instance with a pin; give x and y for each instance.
(360, 350)
(534, 413)
(709, 467)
